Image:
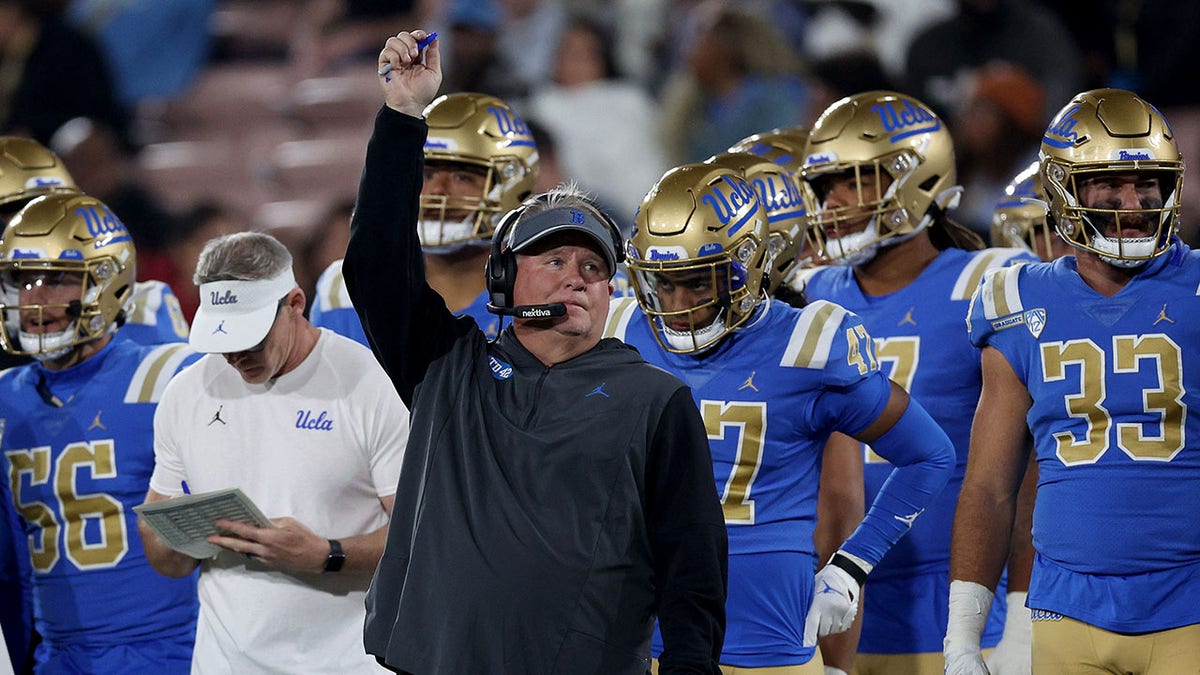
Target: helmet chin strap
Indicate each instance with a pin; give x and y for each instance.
(696, 341)
(434, 233)
(49, 346)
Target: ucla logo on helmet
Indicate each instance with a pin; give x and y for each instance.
(727, 198)
(905, 120)
(821, 158)
(511, 124)
(439, 143)
(44, 181)
(780, 196)
(711, 248)
(1132, 154)
(1061, 133)
(661, 253)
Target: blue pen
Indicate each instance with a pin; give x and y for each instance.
(183, 484)
(421, 44)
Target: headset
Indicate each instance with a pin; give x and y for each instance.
(501, 270)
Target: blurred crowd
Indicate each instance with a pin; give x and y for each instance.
(194, 118)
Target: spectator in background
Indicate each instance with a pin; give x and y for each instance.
(551, 174)
(134, 37)
(335, 33)
(52, 74)
(741, 78)
(528, 38)
(605, 125)
(841, 75)
(942, 58)
(324, 245)
(103, 168)
(471, 45)
(206, 220)
(997, 132)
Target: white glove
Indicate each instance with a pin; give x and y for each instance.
(1013, 655)
(834, 604)
(969, 606)
(830, 670)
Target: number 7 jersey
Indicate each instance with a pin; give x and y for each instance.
(1115, 388)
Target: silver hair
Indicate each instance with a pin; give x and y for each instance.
(243, 256)
(563, 196)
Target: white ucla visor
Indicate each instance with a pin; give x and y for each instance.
(236, 315)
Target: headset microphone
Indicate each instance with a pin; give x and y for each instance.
(549, 311)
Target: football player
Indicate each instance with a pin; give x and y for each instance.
(1020, 221)
(77, 442)
(881, 168)
(480, 162)
(1098, 352)
(785, 148)
(772, 381)
(29, 170)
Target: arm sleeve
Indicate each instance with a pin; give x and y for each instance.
(688, 540)
(924, 460)
(406, 323)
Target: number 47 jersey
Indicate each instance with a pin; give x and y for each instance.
(78, 453)
(770, 393)
(1115, 388)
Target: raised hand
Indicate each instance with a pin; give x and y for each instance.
(409, 81)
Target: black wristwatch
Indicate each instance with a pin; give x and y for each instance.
(337, 557)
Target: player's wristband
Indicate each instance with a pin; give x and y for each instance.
(851, 565)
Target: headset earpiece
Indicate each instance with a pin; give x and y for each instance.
(501, 269)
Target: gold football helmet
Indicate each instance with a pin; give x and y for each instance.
(1112, 131)
(697, 256)
(893, 143)
(28, 170)
(787, 219)
(62, 234)
(1019, 219)
(480, 131)
(785, 148)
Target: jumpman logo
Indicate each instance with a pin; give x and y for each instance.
(96, 423)
(749, 383)
(217, 416)
(220, 328)
(598, 390)
(909, 519)
(908, 317)
(1162, 316)
(828, 588)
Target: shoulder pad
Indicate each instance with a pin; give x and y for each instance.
(157, 368)
(620, 312)
(981, 262)
(331, 289)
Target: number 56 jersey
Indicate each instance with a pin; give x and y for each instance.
(78, 453)
(1115, 417)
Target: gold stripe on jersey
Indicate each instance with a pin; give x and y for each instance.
(156, 369)
(987, 259)
(337, 296)
(812, 336)
(147, 299)
(620, 311)
(999, 293)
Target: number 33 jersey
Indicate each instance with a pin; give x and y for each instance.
(1115, 417)
(78, 453)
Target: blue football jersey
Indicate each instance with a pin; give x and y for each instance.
(764, 394)
(75, 472)
(1114, 383)
(156, 318)
(922, 344)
